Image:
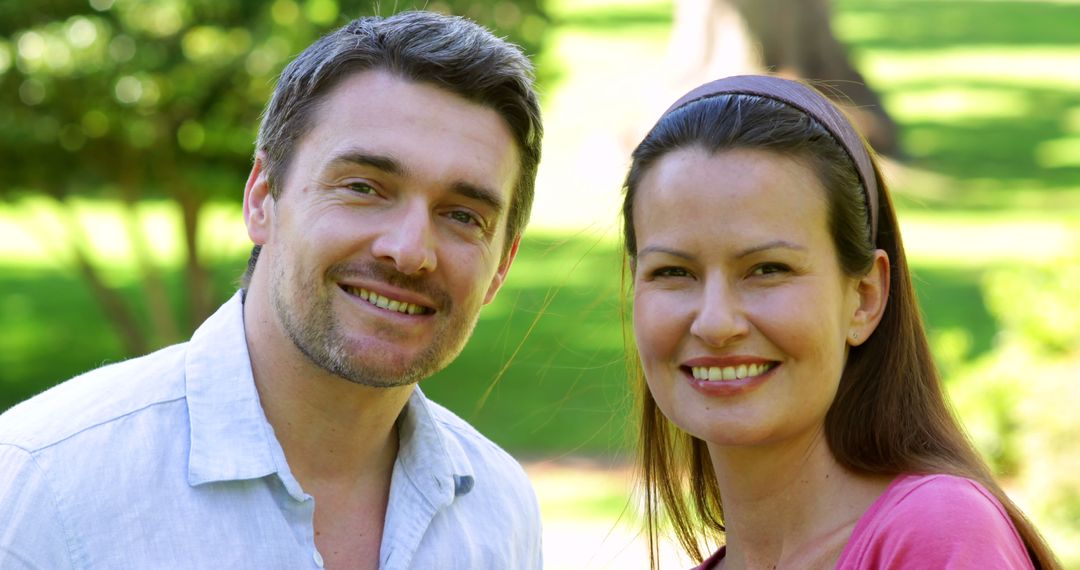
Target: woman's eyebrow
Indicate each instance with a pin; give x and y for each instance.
(664, 250)
(775, 244)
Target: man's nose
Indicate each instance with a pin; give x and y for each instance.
(408, 240)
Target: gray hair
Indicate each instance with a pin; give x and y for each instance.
(449, 52)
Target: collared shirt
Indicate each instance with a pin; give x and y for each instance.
(167, 461)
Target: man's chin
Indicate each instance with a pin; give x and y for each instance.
(386, 374)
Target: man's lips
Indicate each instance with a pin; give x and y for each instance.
(387, 302)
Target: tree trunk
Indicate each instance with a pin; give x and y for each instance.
(118, 313)
(789, 37)
(200, 293)
(162, 319)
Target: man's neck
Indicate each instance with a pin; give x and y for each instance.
(328, 427)
(340, 440)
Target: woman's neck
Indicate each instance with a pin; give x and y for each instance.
(789, 505)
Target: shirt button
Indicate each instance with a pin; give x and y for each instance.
(318, 559)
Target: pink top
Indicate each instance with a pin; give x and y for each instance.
(930, 522)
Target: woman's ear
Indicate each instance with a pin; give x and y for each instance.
(258, 202)
(873, 295)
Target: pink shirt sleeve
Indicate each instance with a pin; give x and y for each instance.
(934, 522)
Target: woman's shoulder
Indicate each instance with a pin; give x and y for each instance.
(935, 521)
(947, 495)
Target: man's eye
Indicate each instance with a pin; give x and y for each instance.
(464, 217)
(361, 188)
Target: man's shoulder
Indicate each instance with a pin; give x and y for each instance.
(95, 398)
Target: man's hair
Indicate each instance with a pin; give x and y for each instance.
(448, 52)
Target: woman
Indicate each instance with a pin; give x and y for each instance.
(791, 408)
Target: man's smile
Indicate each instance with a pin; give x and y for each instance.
(384, 302)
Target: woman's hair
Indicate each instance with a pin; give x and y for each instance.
(890, 415)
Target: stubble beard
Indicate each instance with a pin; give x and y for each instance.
(309, 321)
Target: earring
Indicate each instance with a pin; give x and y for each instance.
(854, 335)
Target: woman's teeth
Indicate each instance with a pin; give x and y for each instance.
(715, 373)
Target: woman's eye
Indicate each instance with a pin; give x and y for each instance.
(669, 272)
(770, 269)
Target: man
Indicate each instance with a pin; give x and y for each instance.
(393, 175)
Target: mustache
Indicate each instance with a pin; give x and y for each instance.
(384, 273)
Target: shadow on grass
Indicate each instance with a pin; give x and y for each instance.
(1000, 154)
(994, 154)
(952, 300)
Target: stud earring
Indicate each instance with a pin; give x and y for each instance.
(854, 336)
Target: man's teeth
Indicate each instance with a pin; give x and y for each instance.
(386, 303)
(739, 372)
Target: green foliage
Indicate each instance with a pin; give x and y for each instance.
(1039, 304)
(1018, 401)
(163, 98)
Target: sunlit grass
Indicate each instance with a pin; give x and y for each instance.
(959, 104)
(1033, 67)
(37, 232)
(974, 239)
(1058, 153)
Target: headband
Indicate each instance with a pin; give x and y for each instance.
(809, 101)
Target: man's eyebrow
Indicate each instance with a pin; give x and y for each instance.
(481, 194)
(395, 167)
(382, 162)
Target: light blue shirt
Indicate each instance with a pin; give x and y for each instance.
(167, 461)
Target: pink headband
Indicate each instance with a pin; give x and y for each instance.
(809, 101)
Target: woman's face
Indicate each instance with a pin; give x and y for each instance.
(741, 311)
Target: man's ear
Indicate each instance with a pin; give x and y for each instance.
(873, 295)
(258, 202)
(504, 268)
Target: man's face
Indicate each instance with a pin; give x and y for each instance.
(387, 235)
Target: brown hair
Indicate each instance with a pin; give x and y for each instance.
(449, 52)
(890, 415)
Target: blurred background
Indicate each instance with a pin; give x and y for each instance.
(126, 131)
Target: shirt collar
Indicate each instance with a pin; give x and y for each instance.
(429, 455)
(230, 437)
